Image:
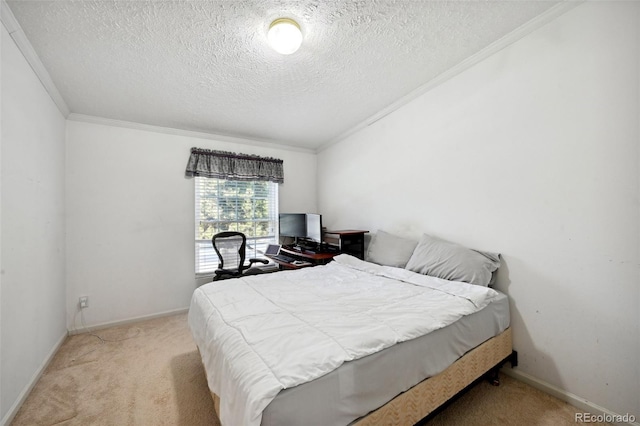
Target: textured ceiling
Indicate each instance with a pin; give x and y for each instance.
(205, 65)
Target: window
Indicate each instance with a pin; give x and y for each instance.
(250, 207)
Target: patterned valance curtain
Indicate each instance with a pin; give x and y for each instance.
(232, 166)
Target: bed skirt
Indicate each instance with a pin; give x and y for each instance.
(411, 406)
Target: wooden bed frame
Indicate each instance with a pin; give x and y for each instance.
(411, 406)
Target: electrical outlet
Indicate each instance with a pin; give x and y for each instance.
(84, 302)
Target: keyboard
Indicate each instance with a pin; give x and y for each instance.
(284, 258)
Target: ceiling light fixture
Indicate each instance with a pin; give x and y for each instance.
(284, 36)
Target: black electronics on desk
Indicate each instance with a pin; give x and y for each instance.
(304, 228)
(308, 236)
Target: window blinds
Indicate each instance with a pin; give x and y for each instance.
(250, 207)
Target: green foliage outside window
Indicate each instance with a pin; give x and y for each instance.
(235, 206)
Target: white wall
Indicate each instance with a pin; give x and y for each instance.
(3, 34)
(533, 153)
(130, 216)
(33, 245)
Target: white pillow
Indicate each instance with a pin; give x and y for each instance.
(451, 261)
(390, 250)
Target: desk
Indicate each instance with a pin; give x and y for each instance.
(313, 259)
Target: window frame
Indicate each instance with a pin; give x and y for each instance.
(205, 258)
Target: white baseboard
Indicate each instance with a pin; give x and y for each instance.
(563, 395)
(8, 418)
(27, 390)
(93, 327)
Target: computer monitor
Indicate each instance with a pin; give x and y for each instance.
(314, 227)
(293, 225)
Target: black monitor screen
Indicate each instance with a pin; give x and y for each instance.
(293, 225)
(314, 227)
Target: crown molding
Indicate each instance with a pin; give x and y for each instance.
(507, 40)
(20, 39)
(187, 133)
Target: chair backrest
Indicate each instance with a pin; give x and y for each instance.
(230, 247)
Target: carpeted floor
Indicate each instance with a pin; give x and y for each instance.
(150, 373)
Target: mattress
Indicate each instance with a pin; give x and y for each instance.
(281, 335)
(360, 386)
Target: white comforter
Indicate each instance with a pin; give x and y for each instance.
(260, 334)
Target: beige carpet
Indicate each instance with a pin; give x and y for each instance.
(150, 373)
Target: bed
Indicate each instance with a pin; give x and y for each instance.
(323, 345)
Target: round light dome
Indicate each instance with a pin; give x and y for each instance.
(284, 36)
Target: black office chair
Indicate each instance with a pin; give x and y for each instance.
(230, 246)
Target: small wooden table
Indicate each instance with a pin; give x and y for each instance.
(349, 241)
